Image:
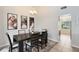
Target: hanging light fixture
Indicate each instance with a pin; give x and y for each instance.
(33, 12)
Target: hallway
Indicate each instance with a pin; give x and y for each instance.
(64, 45)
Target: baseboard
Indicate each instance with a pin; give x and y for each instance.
(53, 39)
(75, 46)
(1, 46)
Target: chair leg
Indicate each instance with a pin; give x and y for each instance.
(26, 47)
(10, 49)
(41, 46)
(46, 44)
(38, 48)
(30, 49)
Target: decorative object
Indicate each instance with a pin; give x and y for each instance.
(24, 22)
(31, 24)
(11, 21)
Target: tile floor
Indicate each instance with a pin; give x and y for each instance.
(64, 45)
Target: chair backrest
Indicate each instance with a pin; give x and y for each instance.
(21, 31)
(35, 35)
(9, 39)
(35, 38)
(44, 35)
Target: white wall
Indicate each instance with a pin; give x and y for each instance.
(47, 18)
(3, 20)
(2, 40)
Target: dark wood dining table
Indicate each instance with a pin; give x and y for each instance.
(20, 38)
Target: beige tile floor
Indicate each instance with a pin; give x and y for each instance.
(64, 45)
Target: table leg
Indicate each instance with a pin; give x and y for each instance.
(21, 46)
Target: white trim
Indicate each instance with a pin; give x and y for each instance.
(53, 39)
(75, 46)
(4, 45)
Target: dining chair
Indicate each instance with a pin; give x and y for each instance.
(12, 45)
(43, 39)
(22, 32)
(32, 43)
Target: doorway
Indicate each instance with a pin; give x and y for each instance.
(64, 28)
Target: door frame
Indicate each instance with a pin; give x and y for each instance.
(59, 31)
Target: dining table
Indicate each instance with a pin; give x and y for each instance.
(20, 38)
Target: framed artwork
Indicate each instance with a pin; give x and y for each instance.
(11, 21)
(24, 22)
(31, 24)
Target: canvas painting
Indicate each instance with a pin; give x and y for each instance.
(24, 22)
(11, 21)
